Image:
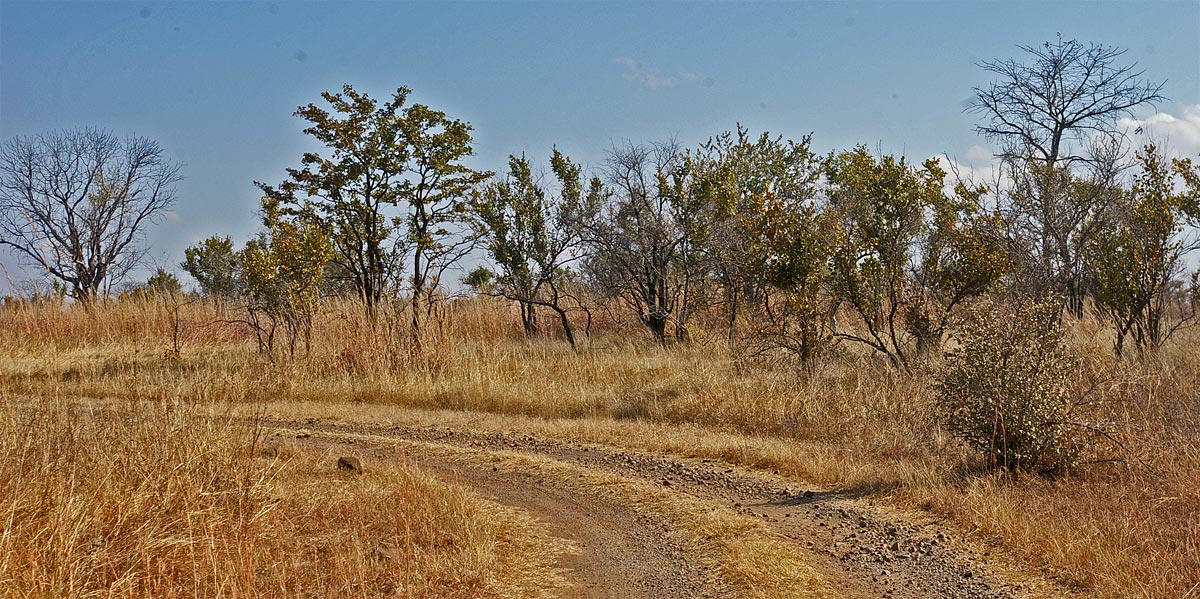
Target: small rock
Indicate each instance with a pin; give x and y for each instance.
(350, 464)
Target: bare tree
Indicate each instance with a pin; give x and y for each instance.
(637, 237)
(1055, 117)
(77, 203)
(1048, 108)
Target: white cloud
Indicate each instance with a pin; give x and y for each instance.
(1179, 135)
(653, 79)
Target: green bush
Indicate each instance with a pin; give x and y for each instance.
(1007, 389)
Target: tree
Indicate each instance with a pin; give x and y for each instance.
(1050, 213)
(216, 266)
(283, 268)
(1052, 115)
(481, 280)
(351, 188)
(77, 203)
(438, 221)
(757, 201)
(905, 254)
(163, 282)
(636, 237)
(532, 237)
(1046, 108)
(1137, 256)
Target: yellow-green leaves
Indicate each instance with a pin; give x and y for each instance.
(283, 268)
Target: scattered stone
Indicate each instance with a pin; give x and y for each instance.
(350, 464)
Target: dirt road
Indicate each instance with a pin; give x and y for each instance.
(629, 551)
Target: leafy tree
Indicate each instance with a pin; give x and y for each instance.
(77, 203)
(216, 266)
(905, 254)
(283, 269)
(532, 237)
(482, 280)
(352, 186)
(438, 222)
(746, 186)
(961, 256)
(163, 282)
(1137, 255)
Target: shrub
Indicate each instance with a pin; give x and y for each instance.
(1007, 389)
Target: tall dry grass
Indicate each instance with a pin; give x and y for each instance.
(156, 500)
(1121, 528)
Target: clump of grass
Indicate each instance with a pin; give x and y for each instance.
(152, 500)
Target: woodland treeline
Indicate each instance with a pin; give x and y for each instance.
(787, 248)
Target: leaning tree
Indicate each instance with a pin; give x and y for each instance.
(77, 203)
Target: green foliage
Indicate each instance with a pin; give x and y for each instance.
(481, 280)
(1135, 256)
(163, 282)
(216, 266)
(531, 234)
(350, 189)
(1007, 389)
(878, 207)
(283, 269)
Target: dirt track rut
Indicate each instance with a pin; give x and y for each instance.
(863, 550)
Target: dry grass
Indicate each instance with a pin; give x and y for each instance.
(1123, 529)
(152, 500)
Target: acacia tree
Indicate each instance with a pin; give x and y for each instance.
(216, 266)
(77, 203)
(352, 188)
(757, 200)
(437, 196)
(905, 254)
(283, 268)
(531, 236)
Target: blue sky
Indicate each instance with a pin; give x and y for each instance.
(216, 83)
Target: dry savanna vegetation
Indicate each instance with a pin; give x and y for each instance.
(160, 499)
(1110, 528)
(1018, 357)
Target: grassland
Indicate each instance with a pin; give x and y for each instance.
(1123, 526)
